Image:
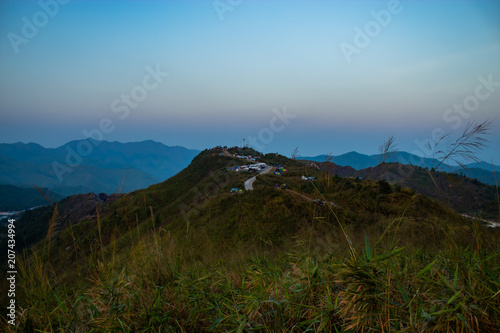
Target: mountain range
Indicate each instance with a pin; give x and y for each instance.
(481, 171)
(191, 253)
(181, 197)
(84, 166)
(91, 166)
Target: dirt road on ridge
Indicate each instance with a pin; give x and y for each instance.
(249, 182)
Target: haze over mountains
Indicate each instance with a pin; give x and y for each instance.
(111, 167)
(481, 171)
(114, 167)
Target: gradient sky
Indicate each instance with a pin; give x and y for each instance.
(228, 71)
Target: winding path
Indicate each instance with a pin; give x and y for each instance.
(249, 182)
(488, 223)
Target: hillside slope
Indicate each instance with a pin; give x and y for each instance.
(187, 254)
(186, 204)
(465, 195)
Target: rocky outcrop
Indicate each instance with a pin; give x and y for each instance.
(80, 207)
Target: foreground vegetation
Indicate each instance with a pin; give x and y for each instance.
(370, 289)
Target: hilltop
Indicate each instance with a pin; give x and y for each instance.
(464, 194)
(209, 179)
(191, 253)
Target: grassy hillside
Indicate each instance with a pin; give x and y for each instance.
(465, 195)
(333, 254)
(33, 225)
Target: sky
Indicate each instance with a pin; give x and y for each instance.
(326, 76)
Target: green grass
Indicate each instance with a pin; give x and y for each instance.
(379, 290)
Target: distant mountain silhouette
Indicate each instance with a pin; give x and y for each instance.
(482, 171)
(108, 167)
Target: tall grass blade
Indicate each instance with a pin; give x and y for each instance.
(368, 249)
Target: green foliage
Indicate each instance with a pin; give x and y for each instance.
(384, 187)
(462, 194)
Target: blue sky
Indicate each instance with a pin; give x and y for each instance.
(229, 66)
